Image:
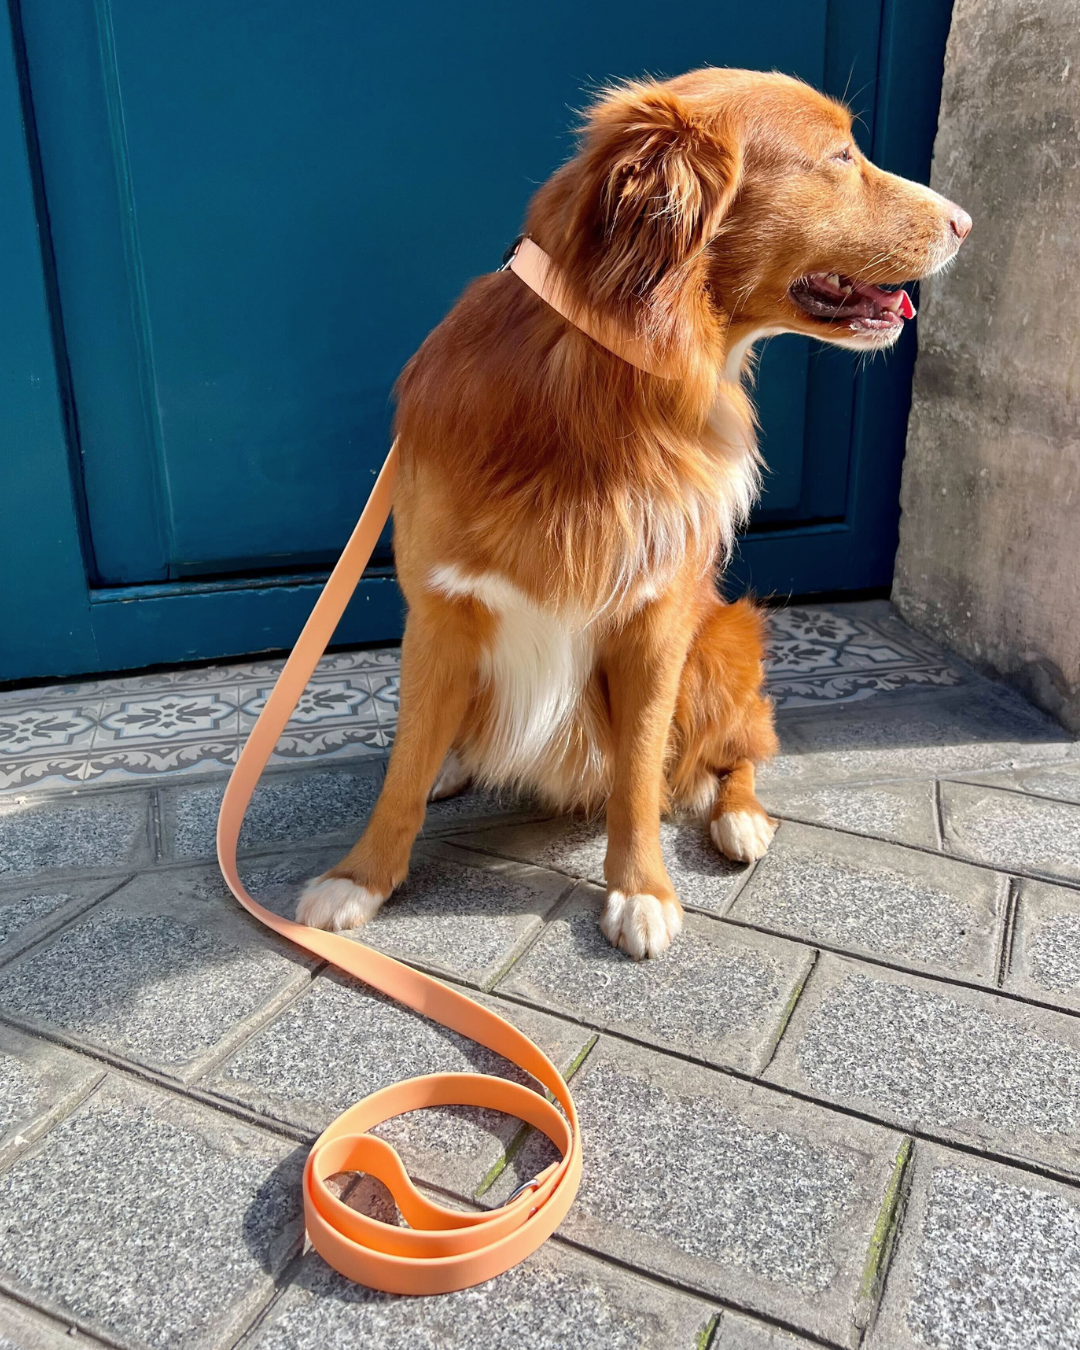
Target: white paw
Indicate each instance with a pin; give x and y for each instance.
(453, 778)
(742, 836)
(640, 925)
(336, 903)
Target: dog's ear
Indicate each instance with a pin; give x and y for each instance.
(656, 182)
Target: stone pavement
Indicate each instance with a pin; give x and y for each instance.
(843, 1109)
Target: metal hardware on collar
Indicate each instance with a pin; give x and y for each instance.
(508, 256)
(532, 1184)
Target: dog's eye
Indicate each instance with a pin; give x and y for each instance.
(844, 156)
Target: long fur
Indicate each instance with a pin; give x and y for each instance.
(561, 515)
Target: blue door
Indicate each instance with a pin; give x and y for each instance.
(242, 218)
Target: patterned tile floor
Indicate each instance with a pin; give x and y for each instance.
(195, 719)
(842, 1111)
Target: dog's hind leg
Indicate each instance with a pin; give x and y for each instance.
(439, 658)
(452, 778)
(740, 826)
(723, 727)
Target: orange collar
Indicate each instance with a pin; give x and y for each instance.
(541, 274)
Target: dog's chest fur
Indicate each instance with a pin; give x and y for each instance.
(544, 653)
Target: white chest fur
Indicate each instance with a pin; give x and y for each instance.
(536, 668)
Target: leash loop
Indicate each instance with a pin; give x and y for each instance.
(442, 1249)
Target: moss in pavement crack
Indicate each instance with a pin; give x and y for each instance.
(519, 1138)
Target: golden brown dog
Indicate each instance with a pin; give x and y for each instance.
(560, 513)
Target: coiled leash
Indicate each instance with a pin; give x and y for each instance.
(442, 1249)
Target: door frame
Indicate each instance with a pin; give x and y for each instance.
(54, 622)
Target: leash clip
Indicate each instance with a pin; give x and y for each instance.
(532, 1184)
(508, 256)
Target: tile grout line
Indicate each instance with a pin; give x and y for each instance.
(1008, 930)
(130, 1071)
(707, 1336)
(1066, 882)
(789, 1010)
(51, 931)
(717, 1302)
(83, 1326)
(554, 912)
(891, 1238)
(297, 1135)
(939, 818)
(1019, 790)
(525, 1131)
(951, 981)
(1044, 1170)
(203, 771)
(275, 1007)
(680, 1286)
(884, 1239)
(282, 1284)
(218, 764)
(75, 1100)
(157, 834)
(194, 1089)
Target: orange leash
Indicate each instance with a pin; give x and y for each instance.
(442, 1249)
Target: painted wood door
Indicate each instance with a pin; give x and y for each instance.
(250, 215)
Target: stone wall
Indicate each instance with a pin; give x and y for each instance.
(989, 559)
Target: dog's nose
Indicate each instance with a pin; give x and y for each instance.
(959, 222)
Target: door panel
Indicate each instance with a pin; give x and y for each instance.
(234, 222)
(283, 200)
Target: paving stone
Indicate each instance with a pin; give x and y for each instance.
(702, 877)
(341, 1041)
(736, 1332)
(923, 1055)
(312, 806)
(1061, 781)
(164, 973)
(726, 1188)
(1045, 960)
(39, 1083)
(716, 993)
(988, 1259)
(274, 879)
(460, 912)
(464, 920)
(915, 909)
(29, 911)
(903, 812)
(475, 808)
(555, 1299)
(984, 727)
(154, 1220)
(1013, 832)
(101, 830)
(23, 1329)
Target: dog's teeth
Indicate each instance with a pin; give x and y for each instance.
(833, 279)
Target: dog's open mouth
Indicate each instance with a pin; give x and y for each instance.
(832, 298)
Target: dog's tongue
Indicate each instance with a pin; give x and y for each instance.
(897, 301)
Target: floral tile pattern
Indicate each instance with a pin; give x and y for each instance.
(190, 720)
(195, 719)
(177, 714)
(845, 653)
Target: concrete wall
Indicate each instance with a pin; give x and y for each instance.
(989, 560)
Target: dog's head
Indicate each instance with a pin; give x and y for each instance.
(741, 200)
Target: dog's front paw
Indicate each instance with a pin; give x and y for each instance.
(337, 903)
(742, 836)
(640, 925)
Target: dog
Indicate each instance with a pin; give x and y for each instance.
(561, 512)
